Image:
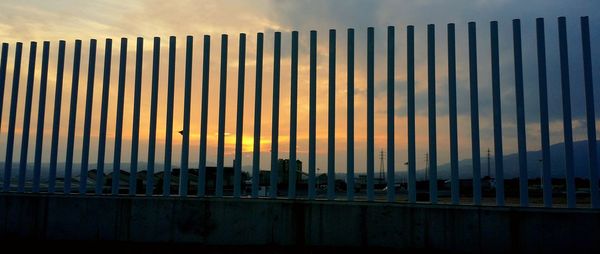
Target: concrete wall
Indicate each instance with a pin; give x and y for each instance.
(298, 223)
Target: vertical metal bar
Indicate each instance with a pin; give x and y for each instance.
(12, 118)
(275, 121)
(370, 112)
(474, 114)
(169, 120)
(56, 121)
(187, 103)
(543, 92)
(73, 115)
(222, 97)
(153, 109)
(350, 80)
(431, 110)
(37, 166)
(567, 124)
(454, 178)
(119, 128)
(293, 167)
(331, 120)
(87, 125)
(391, 183)
(3, 61)
(239, 128)
(498, 156)
(410, 90)
(103, 117)
(521, 136)
(257, 115)
(135, 133)
(204, 116)
(590, 112)
(27, 117)
(312, 121)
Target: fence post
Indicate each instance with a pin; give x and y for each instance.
(410, 90)
(222, 97)
(103, 118)
(169, 120)
(293, 167)
(27, 117)
(312, 129)
(56, 121)
(391, 183)
(590, 112)
(153, 109)
(257, 116)
(474, 114)
(350, 80)
(119, 128)
(87, 125)
(275, 121)
(204, 116)
(187, 102)
(72, 117)
(543, 92)
(331, 120)
(521, 135)
(498, 155)
(454, 178)
(41, 113)
(567, 123)
(12, 118)
(431, 110)
(239, 129)
(135, 133)
(370, 112)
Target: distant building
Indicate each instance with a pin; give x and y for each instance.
(283, 173)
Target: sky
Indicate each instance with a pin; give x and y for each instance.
(28, 20)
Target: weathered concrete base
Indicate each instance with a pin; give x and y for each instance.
(246, 222)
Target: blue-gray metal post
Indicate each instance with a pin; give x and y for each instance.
(10, 140)
(257, 115)
(590, 112)
(331, 120)
(370, 112)
(103, 118)
(391, 182)
(221, 134)
(3, 61)
(56, 121)
(87, 125)
(543, 93)
(410, 94)
(312, 120)
(119, 125)
(169, 120)
(275, 119)
(135, 133)
(153, 109)
(474, 114)
(239, 128)
(27, 117)
(350, 80)
(521, 135)
(567, 123)
(37, 166)
(498, 156)
(454, 178)
(204, 116)
(187, 104)
(72, 117)
(293, 167)
(431, 110)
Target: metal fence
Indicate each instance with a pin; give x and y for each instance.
(149, 182)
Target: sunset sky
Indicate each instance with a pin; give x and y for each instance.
(26, 21)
